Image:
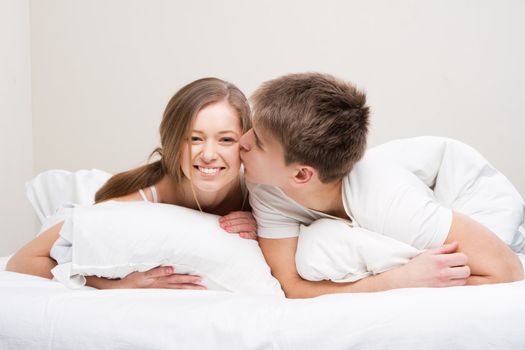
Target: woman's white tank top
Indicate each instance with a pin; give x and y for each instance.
(153, 192)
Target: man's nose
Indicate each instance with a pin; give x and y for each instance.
(244, 141)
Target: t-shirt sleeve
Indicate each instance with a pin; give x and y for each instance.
(272, 223)
(392, 201)
(415, 217)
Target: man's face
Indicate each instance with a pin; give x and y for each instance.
(263, 159)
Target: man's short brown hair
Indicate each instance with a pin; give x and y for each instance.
(319, 120)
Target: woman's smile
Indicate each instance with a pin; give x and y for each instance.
(208, 171)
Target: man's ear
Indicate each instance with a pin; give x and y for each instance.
(304, 174)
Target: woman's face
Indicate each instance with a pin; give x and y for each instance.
(214, 142)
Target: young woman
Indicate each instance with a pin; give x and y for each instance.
(198, 167)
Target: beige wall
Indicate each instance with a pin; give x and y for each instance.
(102, 70)
(17, 222)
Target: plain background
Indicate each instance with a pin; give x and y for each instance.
(84, 83)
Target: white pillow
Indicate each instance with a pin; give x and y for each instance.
(113, 239)
(330, 249)
(50, 190)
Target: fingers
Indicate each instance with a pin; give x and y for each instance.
(236, 215)
(248, 235)
(178, 281)
(237, 218)
(185, 286)
(238, 221)
(446, 248)
(241, 228)
(454, 276)
(240, 225)
(241, 222)
(164, 277)
(159, 271)
(182, 279)
(166, 273)
(461, 272)
(453, 259)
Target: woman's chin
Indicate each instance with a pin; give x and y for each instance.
(210, 186)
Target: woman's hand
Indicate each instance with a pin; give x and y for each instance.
(160, 277)
(241, 222)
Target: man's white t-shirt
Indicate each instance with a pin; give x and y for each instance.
(379, 195)
(406, 189)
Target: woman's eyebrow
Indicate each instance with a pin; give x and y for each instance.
(220, 132)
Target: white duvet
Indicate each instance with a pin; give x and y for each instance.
(36, 313)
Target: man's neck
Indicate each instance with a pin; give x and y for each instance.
(323, 197)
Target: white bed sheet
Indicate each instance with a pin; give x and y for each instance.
(36, 313)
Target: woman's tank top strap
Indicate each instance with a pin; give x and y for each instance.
(143, 195)
(153, 194)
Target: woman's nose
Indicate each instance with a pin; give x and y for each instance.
(209, 153)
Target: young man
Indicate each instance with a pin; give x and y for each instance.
(302, 160)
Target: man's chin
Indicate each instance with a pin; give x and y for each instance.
(255, 181)
(247, 175)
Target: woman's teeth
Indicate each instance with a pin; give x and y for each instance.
(209, 171)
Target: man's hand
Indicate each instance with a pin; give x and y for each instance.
(489, 258)
(160, 277)
(439, 267)
(241, 222)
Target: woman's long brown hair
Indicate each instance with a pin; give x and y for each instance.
(174, 132)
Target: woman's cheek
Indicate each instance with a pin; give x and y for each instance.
(184, 160)
(235, 155)
(195, 150)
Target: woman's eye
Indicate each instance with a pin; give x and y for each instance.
(195, 139)
(227, 139)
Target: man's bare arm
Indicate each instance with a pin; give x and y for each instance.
(434, 268)
(489, 258)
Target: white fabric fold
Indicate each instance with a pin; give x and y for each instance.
(332, 250)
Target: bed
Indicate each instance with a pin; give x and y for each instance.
(36, 313)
